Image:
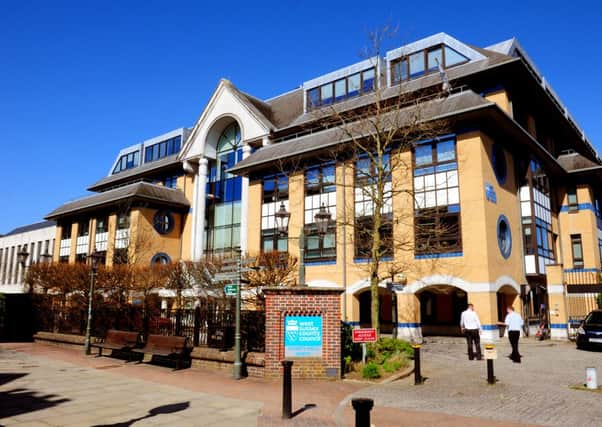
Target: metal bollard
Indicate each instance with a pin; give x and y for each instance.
(417, 374)
(490, 376)
(362, 409)
(287, 389)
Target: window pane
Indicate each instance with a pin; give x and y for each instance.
(400, 71)
(435, 57)
(416, 64)
(354, 84)
(445, 151)
(452, 57)
(340, 90)
(326, 94)
(313, 97)
(368, 76)
(424, 155)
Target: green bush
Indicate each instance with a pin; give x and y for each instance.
(599, 300)
(348, 365)
(390, 346)
(391, 366)
(371, 370)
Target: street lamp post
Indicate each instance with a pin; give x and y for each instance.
(322, 218)
(94, 259)
(22, 256)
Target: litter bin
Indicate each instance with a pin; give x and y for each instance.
(221, 337)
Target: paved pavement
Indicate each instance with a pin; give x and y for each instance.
(536, 391)
(37, 391)
(42, 385)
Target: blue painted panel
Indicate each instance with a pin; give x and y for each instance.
(303, 336)
(434, 256)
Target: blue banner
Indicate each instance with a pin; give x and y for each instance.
(303, 336)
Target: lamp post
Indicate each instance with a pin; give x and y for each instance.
(322, 218)
(22, 256)
(94, 258)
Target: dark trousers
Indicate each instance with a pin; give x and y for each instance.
(473, 338)
(513, 337)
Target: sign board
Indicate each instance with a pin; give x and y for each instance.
(230, 290)
(364, 335)
(490, 353)
(303, 336)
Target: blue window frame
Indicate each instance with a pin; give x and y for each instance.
(504, 236)
(127, 161)
(163, 221)
(424, 62)
(342, 89)
(498, 159)
(162, 149)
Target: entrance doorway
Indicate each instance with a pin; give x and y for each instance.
(385, 317)
(440, 309)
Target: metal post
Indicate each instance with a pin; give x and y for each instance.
(490, 375)
(287, 389)
(88, 326)
(302, 255)
(417, 374)
(237, 362)
(362, 409)
(394, 312)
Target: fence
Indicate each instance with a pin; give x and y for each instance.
(210, 324)
(582, 291)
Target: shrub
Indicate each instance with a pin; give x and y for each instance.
(391, 366)
(371, 370)
(599, 300)
(390, 346)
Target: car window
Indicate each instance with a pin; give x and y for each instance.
(595, 317)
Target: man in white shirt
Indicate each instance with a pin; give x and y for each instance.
(514, 323)
(471, 327)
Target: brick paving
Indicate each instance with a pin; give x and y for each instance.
(535, 391)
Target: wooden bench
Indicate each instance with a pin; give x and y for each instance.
(170, 347)
(122, 341)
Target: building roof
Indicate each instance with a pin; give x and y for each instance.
(137, 190)
(31, 227)
(142, 170)
(303, 145)
(575, 161)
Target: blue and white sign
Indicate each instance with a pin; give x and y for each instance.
(303, 336)
(490, 193)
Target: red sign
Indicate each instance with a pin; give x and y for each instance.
(364, 335)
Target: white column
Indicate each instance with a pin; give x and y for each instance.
(244, 203)
(198, 211)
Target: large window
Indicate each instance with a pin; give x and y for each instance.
(122, 238)
(127, 161)
(366, 198)
(424, 62)
(342, 89)
(275, 191)
(436, 198)
(577, 249)
(320, 190)
(162, 149)
(224, 191)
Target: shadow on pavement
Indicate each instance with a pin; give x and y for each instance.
(303, 409)
(6, 378)
(21, 401)
(165, 409)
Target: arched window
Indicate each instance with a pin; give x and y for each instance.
(224, 194)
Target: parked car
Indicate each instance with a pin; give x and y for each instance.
(589, 333)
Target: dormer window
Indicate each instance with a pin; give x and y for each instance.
(162, 149)
(424, 62)
(127, 161)
(341, 89)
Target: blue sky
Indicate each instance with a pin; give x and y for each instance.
(80, 80)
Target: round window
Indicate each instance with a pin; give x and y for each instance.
(163, 222)
(504, 237)
(160, 258)
(499, 163)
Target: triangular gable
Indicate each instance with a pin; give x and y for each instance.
(226, 102)
(433, 40)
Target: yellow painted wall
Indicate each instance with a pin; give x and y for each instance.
(254, 217)
(112, 228)
(582, 222)
(502, 99)
(186, 184)
(146, 241)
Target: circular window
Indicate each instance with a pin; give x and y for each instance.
(504, 237)
(499, 163)
(160, 258)
(163, 222)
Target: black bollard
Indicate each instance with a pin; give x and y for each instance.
(417, 373)
(490, 375)
(287, 389)
(362, 409)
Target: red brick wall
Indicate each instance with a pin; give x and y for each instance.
(303, 301)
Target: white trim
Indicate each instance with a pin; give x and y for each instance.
(555, 290)
(469, 287)
(363, 284)
(343, 72)
(435, 39)
(321, 283)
